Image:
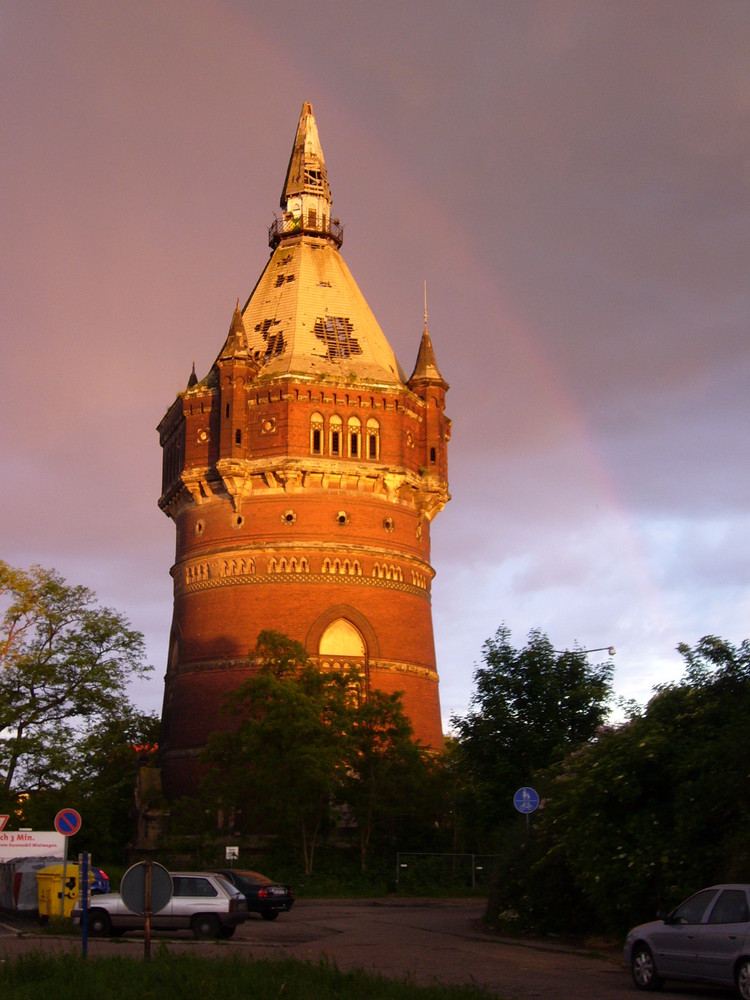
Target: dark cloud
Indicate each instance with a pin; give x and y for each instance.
(571, 179)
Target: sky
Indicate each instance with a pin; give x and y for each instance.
(570, 177)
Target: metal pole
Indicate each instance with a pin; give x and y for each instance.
(64, 873)
(83, 872)
(147, 894)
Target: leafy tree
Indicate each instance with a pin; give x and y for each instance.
(308, 746)
(279, 763)
(530, 707)
(383, 781)
(104, 779)
(65, 664)
(653, 809)
(100, 785)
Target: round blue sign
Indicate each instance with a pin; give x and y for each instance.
(526, 800)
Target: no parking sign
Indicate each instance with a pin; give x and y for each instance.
(68, 822)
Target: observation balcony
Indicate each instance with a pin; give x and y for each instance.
(289, 226)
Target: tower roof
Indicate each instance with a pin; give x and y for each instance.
(426, 368)
(306, 316)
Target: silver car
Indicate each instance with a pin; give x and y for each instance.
(705, 940)
(205, 903)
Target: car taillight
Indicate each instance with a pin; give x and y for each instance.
(262, 893)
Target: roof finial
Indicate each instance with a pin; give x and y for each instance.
(425, 304)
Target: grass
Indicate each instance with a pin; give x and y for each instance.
(67, 977)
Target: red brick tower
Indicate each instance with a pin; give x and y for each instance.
(302, 474)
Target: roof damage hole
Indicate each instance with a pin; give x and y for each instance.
(275, 343)
(337, 333)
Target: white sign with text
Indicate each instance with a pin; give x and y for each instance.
(32, 844)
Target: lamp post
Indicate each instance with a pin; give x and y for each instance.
(597, 649)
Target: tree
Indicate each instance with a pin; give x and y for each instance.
(306, 745)
(65, 664)
(530, 707)
(385, 771)
(651, 810)
(278, 764)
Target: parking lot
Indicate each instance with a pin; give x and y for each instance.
(425, 940)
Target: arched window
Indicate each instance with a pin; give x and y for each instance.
(355, 437)
(341, 639)
(373, 439)
(316, 434)
(335, 431)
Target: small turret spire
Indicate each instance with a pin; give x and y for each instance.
(236, 342)
(426, 368)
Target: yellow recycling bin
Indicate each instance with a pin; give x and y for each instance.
(52, 891)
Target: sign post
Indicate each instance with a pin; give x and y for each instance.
(146, 888)
(67, 822)
(84, 867)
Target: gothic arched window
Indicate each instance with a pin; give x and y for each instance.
(335, 430)
(373, 439)
(355, 437)
(316, 434)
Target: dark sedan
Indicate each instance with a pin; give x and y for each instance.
(263, 895)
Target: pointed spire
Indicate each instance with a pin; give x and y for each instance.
(426, 368)
(236, 342)
(306, 173)
(306, 196)
(193, 380)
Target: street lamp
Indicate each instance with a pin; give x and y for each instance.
(598, 649)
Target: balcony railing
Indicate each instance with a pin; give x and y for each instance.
(280, 228)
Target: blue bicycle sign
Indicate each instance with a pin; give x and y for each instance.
(526, 800)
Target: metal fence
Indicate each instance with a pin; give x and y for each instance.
(415, 869)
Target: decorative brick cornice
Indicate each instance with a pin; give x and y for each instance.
(201, 581)
(375, 665)
(239, 479)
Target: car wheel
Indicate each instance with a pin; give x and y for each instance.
(227, 932)
(205, 926)
(269, 914)
(99, 924)
(743, 979)
(643, 969)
